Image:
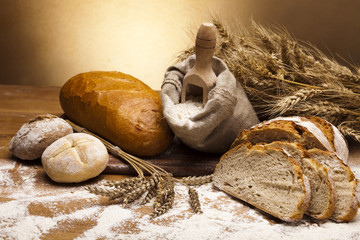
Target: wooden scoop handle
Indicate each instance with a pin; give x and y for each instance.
(205, 46)
(201, 74)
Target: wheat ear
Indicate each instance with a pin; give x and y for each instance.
(159, 186)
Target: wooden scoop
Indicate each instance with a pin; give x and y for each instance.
(201, 78)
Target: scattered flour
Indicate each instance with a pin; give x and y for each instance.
(223, 217)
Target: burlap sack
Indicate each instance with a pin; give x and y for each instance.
(225, 114)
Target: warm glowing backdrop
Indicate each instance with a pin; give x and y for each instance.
(45, 42)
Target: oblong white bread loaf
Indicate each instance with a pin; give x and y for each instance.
(120, 108)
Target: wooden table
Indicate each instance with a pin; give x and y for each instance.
(34, 207)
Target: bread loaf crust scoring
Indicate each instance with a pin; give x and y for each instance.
(311, 132)
(120, 108)
(75, 158)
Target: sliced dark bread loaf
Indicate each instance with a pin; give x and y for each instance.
(346, 205)
(265, 177)
(322, 201)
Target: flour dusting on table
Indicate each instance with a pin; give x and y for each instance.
(28, 213)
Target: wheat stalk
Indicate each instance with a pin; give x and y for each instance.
(282, 75)
(349, 128)
(289, 102)
(195, 181)
(124, 183)
(194, 200)
(165, 197)
(324, 108)
(159, 186)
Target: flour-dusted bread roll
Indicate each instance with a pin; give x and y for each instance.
(311, 132)
(322, 201)
(75, 158)
(36, 135)
(266, 178)
(120, 108)
(346, 206)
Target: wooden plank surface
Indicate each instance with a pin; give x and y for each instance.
(34, 207)
(20, 104)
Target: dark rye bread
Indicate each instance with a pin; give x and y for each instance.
(311, 132)
(322, 201)
(265, 177)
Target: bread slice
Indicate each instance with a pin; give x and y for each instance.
(322, 201)
(311, 132)
(346, 205)
(266, 178)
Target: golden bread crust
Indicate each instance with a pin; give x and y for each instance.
(120, 108)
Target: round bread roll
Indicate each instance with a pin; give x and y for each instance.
(36, 135)
(75, 158)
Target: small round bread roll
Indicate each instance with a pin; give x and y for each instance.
(76, 157)
(36, 135)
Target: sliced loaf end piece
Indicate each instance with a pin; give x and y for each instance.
(266, 178)
(322, 201)
(346, 206)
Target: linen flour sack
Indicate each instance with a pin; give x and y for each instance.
(214, 127)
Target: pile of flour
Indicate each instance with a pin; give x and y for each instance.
(223, 217)
(188, 109)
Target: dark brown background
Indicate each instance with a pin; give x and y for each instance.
(45, 42)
